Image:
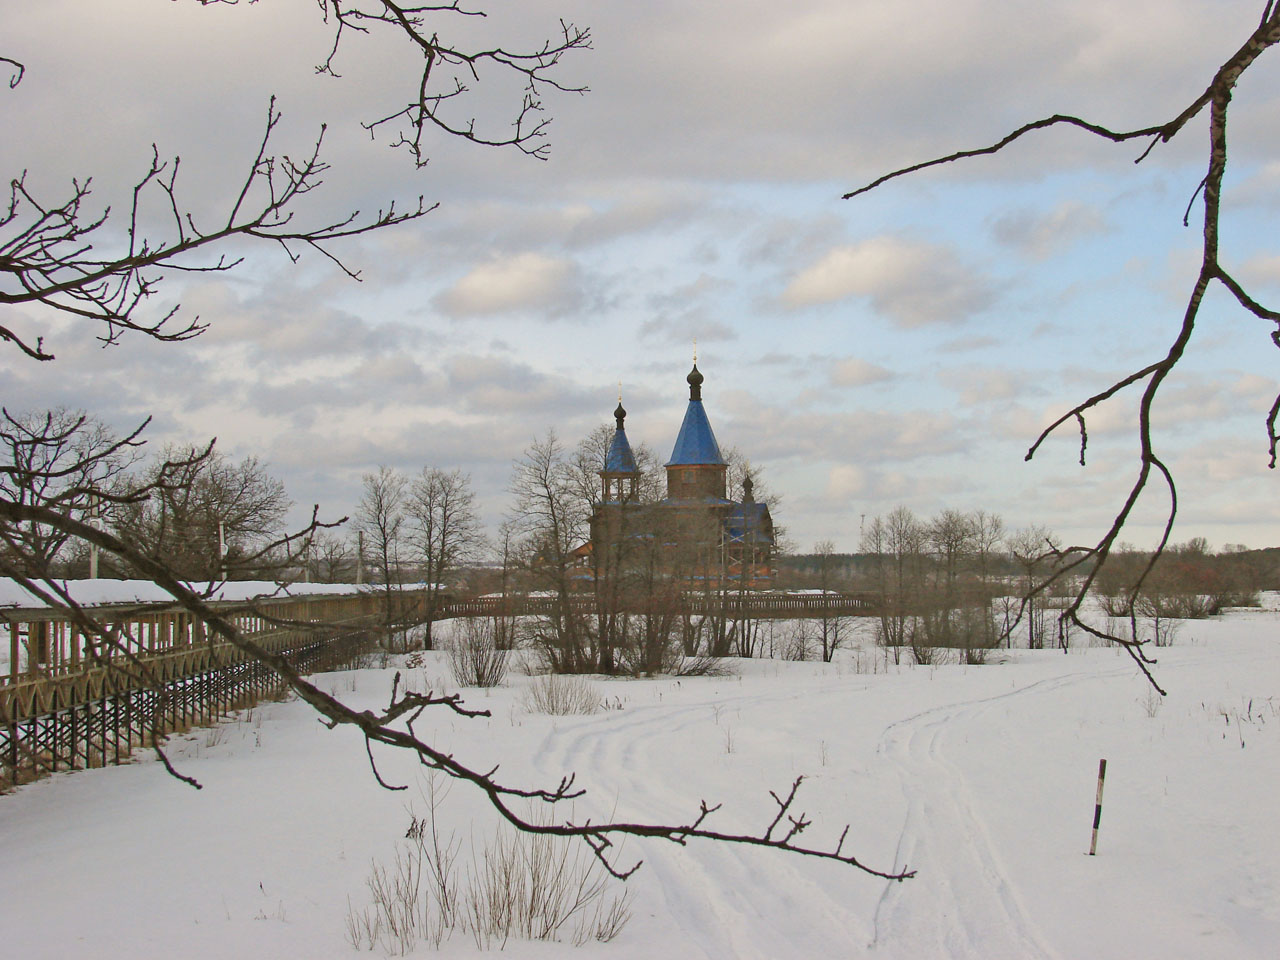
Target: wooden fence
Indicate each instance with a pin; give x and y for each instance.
(758, 606)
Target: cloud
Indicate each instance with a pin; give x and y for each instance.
(703, 287)
(525, 282)
(847, 481)
(684, 328)
(1260, 189)
(910, 282)
(709, 143)
(869, 485)
(856, 372)
(1261, 269)
(1040, 235)
(978, 385)
(284, 323)
(779, 431)
(968, 344)
(494, 386)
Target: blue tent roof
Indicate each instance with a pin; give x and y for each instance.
(620, 459)
(696, 444)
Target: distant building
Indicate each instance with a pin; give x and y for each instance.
(696, 533)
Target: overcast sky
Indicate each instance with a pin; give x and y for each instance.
(904, 347)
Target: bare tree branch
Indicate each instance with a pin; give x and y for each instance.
(50, 251)
(447, 72)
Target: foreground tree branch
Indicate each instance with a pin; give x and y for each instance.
(448, 72)
(1217, 96)
(61, 252)
(49, 252)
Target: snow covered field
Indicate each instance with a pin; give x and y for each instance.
(981, 778)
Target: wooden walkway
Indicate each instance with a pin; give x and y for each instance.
(63, 706)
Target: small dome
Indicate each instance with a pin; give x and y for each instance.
(619, 414)
(695, 383)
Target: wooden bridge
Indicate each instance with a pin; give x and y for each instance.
(65, 704)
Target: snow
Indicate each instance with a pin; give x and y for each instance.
(982, 778)
(88, 592)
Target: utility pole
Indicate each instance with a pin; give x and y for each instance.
(93, 547)
(222, 549)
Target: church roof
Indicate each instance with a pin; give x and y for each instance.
(696, 443)
(749, 523)
(620, 458)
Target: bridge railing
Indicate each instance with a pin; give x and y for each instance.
(758, 605)
(48, 661)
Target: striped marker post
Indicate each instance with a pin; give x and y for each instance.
(1097, 807)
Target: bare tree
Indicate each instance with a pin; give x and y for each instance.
(205, 516)
(57, 458)
(895, 543)
(1089, 560)
(988, 539)
(552, 518)
(330, 559)
(380, 520)
(589, 459)
(444, 532)
(833, 628)
(933, 581)
(1035, 551)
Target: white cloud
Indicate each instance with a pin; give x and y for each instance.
(1261, 269)
(1041, 235)
(846, 481)
(683, 329)
(524, 282)
(979, 385)
(913, 283)
(856, 372)
(780, 431)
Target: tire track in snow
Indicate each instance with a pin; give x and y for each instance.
(714, 895)
(962, 903)
(941, 920)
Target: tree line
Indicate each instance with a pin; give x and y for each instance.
(954, 581)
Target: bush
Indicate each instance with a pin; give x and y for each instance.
(476, 659)
(559, 695)
(530, 886)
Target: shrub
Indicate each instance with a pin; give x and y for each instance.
(533, 887)
(476, 659)
(560, 695)
(530, 886)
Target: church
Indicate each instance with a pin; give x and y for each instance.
(695, 533)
